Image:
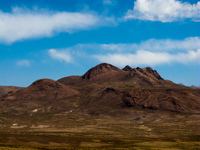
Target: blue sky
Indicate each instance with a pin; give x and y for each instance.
(53, 39)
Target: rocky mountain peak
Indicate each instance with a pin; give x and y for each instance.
(99, 69)
(153, 72)
(127, 68)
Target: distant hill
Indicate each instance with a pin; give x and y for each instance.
(181, 84)
(195, 86)
(105, 88)
(6, 89)
(43, 89)
(190, 86)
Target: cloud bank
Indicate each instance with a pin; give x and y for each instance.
(24, 24)
(151, 52)
(163, 10)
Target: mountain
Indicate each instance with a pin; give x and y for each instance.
(105, 88)
(104, 72)
(195, 86)
(100, 73)
(6, 89)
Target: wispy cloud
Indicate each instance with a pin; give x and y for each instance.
(23, 63)
(142, 57)
(109, 2)
(190, 43)
(23, 24)
(60, 55)
(163, 10)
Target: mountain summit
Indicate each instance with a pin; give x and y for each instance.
(127, 68)
(100, 69)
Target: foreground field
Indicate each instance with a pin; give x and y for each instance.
(73, 130)
(152, 145)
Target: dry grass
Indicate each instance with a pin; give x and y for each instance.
(75, 130)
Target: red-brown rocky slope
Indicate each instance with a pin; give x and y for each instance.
(160, 99)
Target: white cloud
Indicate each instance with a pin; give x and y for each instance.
(190, 43)
(60, 55)
(24, 63)
(163, 10)
(23, 24)
(143, 57)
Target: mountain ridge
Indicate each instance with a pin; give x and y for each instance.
(108, 87)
